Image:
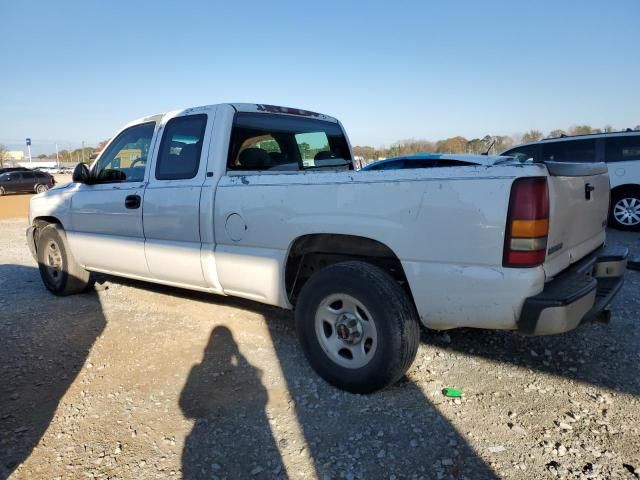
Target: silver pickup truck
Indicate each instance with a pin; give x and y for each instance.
(262, 202)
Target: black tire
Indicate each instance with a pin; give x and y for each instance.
(393, 313)
(619, 202)
(60, 272)
(41, 188)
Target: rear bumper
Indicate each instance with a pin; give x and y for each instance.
(577, 294)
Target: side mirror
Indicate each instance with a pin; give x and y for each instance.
(81, 173)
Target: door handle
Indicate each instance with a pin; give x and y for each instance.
(132, 201)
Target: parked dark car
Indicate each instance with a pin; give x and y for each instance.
(19, 181)
(13, 169)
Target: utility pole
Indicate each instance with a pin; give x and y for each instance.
(57, 157)
(82, 151)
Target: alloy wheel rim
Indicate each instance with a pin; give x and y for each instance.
(626, 211)
(346, 330)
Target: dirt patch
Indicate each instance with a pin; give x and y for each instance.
(14, 205)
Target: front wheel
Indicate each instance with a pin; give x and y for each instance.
(2, 191)
(60, 272)
(41, 188)
(625, 211)
(357, 327)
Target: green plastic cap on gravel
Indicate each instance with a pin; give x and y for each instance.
(451, 392)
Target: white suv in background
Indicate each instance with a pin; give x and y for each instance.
(620, 151)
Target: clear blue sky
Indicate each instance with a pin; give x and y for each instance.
(77, 70)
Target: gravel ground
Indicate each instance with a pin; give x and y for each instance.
(132, 380)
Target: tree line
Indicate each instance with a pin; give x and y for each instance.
(489, 143)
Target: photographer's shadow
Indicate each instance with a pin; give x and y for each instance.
(231, 436)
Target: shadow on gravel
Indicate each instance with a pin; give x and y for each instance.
(602, 355)
(396, 431)
(43, 346)
(225, 374)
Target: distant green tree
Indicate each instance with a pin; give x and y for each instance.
(368, 153)
(581, 130)
(305, 150)
(607, 129)
(269, 146)
(476, 145)
(78, 153)
(556, 133)
(502, 142)
(452, 145)
(532, 135)
(409, 147)
(637, 127)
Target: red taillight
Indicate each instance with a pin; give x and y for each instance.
(525, 243)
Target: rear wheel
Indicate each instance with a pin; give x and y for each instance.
(357, 327)
(60, 272)
(625, 210)
(41, 188)
(2, 191)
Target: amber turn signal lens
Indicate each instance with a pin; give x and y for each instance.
(530, 228)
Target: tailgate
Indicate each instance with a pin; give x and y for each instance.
(579, 207)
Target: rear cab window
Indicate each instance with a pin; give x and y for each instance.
(275, 142)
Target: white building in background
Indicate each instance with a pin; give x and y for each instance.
(14, 155)
(37, 164)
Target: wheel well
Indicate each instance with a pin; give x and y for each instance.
(311, 253)
(629, 187)
(40, 223)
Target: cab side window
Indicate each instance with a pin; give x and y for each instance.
(181, 147)
(125, 159)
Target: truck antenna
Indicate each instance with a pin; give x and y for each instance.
(488, 149)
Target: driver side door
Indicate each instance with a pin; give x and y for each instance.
(106, 231)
